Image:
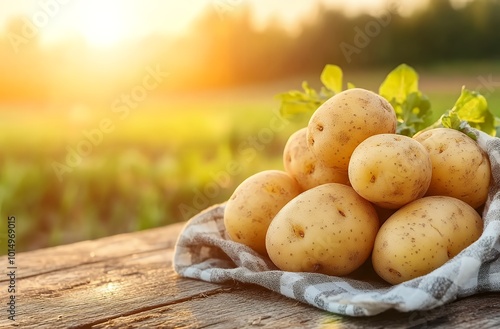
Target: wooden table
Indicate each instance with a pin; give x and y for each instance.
(127, 281)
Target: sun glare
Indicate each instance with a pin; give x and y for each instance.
(102, 23)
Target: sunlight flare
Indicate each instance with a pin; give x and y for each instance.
(103, 23)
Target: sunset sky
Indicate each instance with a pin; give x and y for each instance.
(106, 22)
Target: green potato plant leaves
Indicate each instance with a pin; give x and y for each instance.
(299, 105)
(400, 88)
(413, 109)
(399, 83)
(331, 77)
(471, 107)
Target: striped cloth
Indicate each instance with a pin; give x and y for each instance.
(204, 251)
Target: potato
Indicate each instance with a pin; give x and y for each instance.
(422, 236)
(328, 229)
(302, 164)
(390, 170)
(460, 168)
(344, 121)
(253, 205)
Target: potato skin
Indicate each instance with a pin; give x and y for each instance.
(302, 164)
(328, 229)
(344, 121)
(422, 236)
(390, 170)
(460, 168)
(253, 205)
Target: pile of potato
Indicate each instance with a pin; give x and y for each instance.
(354, 190)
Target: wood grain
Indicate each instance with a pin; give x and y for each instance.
(127, 281)
(252, 307)
(87, 252)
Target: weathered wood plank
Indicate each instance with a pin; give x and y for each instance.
(241, 307)
(86, 252)
(250, 307)
(95, 292)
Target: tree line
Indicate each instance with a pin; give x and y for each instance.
(437, 33)
(226, 51)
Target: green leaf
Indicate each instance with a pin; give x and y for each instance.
(473, 108)
(399, 83)
(470, 109)
(296, 105)
(350, 85)
(451, 120)
(331, 77)
(412, 108)
(308, 90)
(295, 111)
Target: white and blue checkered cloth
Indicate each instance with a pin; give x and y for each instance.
(204, 252)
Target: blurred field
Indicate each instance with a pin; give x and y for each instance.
(168, 159)
(164, 155)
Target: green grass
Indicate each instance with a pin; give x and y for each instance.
(169, 159)
(139, 175)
